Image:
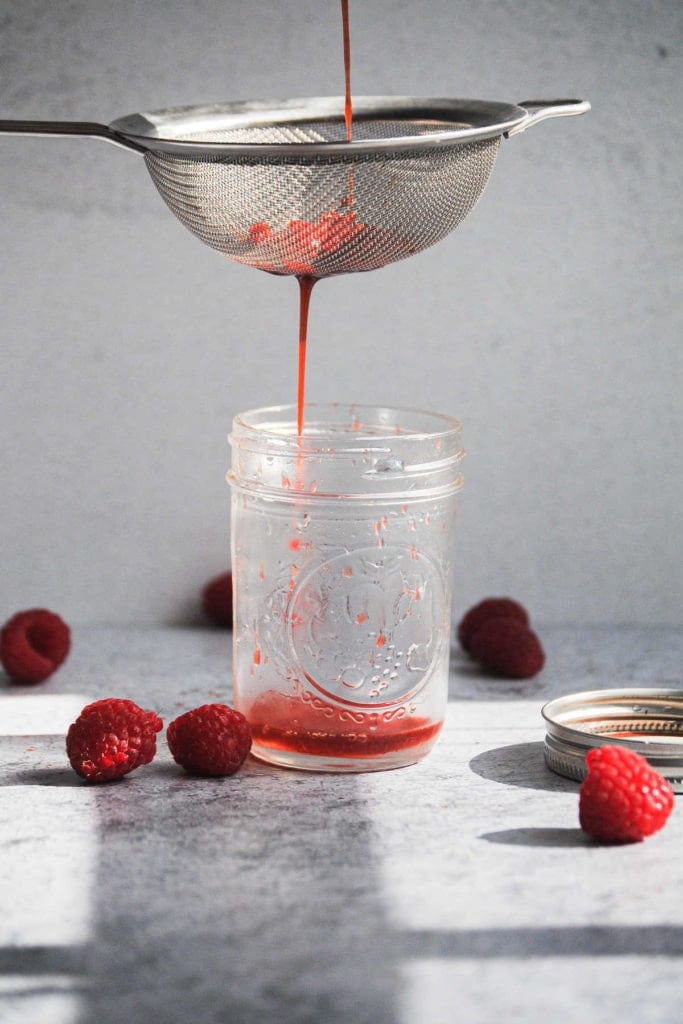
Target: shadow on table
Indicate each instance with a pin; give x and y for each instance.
(522, 765)
(61, 778)
(548, 837)
(230, 901)
(569, 941)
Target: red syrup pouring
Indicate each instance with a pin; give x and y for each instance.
(337, 241)
(332, 228)
(306, 282)
(304, 724)
(335, 227)
(348, 105)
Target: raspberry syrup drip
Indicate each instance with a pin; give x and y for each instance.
(306, 282)
(348, 105)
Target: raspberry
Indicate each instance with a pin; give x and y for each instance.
(210, 740)
(490, 608)
(507, 648)
(33, 644)
(110, 738)
(622, 799)
(217, 600)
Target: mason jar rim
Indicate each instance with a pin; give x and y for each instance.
(284, 416)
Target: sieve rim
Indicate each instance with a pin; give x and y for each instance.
(470, 121)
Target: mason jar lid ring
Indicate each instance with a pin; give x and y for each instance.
(647, 721)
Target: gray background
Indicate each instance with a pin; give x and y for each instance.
(548, 322)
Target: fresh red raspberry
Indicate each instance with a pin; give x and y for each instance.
(217, 600)
(622, 799)
(508, 648)
(110, 738)
(489, 608)
(210, 740)
(33, 644)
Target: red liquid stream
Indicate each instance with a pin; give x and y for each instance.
(348, 107)
(288, 723)
(306, 283)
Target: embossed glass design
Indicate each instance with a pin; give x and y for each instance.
(342, 565)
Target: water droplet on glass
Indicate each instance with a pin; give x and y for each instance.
(392, 464)
(352, 676)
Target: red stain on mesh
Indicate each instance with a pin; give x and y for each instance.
(300, 247)
(334, 243)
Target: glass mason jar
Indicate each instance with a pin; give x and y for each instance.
(342, 568)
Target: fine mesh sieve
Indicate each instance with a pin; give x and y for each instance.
(277, 186)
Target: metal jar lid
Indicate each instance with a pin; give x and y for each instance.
(649, 722)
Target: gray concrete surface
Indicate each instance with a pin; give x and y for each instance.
(460, 889)
(549, 322)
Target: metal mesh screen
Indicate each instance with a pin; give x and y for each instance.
(325, 214)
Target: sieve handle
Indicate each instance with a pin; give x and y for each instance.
(64, 129)
(539, 110)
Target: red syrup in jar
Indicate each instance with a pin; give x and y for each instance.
(308, 726)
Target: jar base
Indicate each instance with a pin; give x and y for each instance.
(340, 765)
